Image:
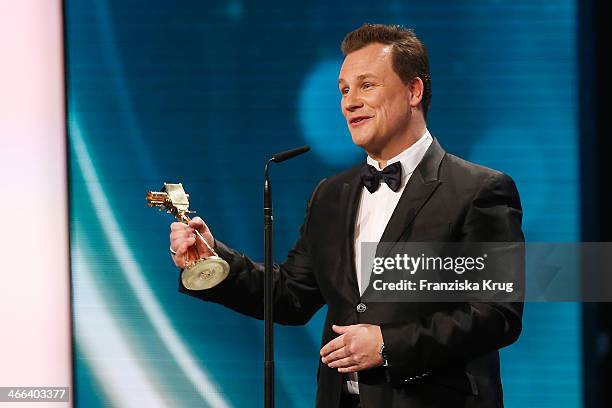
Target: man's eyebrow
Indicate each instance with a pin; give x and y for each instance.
(359, 77)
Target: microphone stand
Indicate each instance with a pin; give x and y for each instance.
(268, 287)
(268, 277)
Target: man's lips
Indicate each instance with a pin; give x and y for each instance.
(358, 120)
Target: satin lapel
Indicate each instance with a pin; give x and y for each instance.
(351, 195)
(415, 195)
(421, 185)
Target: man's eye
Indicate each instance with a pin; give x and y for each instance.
(344, 91)
(367, 85)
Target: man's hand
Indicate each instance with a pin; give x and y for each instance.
(356, 349)
(183, 241)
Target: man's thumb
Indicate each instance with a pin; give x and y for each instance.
(197, 223)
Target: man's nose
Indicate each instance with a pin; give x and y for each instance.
(352, 102)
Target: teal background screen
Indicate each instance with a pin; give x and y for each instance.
(204, 92)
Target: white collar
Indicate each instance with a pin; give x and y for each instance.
(409, 158)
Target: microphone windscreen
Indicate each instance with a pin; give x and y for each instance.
(282, 156)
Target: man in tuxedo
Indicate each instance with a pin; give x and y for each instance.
(383, 354)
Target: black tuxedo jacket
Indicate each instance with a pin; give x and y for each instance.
(439, 354)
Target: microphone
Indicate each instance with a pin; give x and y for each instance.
(288, 154)
(268, 279)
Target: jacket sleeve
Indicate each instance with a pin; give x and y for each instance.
(466, 330)
(296, 292)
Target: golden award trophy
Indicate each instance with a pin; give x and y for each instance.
(200, 272)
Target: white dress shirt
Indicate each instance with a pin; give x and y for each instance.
(375, 210)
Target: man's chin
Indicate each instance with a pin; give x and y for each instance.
(365, 142)
(361, 140)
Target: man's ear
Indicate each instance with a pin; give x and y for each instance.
(416, 88)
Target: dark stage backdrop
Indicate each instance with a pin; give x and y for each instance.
(204, 92)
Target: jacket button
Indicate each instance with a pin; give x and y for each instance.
(361, 307)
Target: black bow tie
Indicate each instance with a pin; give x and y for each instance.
(391, 175)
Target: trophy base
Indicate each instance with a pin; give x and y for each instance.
(205, 273)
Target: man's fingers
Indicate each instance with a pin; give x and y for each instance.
(340, 329)
(182, 249)
(183, 237)
(197, 223)
(179, 261)
(178, 236)
(177, 244)
(179, 256)
(332, 346)
(351, 369)
(189, 242)
(177, 226)
(343, 362)
(339, 354)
